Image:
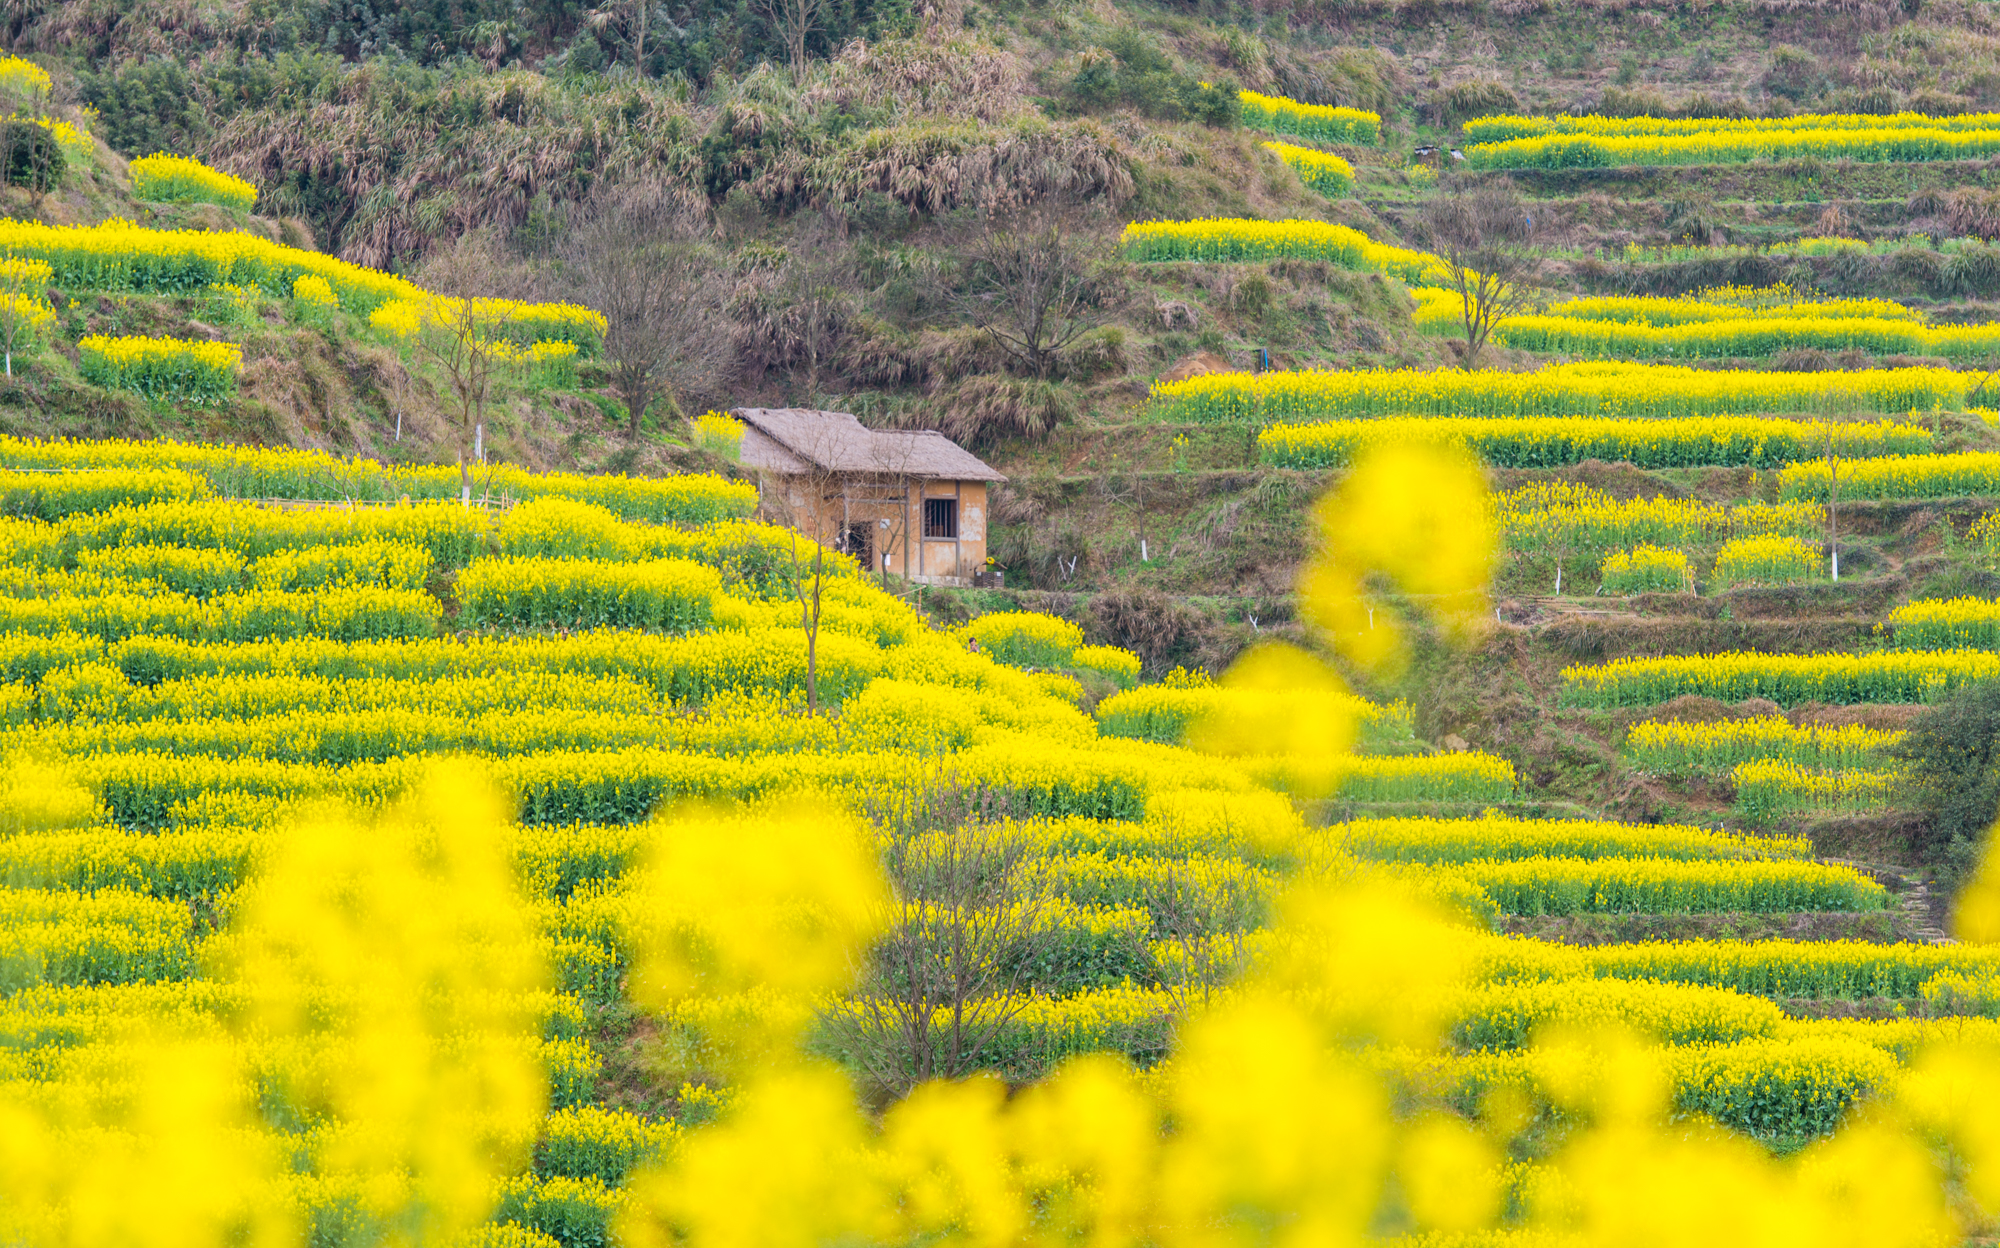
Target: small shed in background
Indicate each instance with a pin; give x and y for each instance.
(908, 502)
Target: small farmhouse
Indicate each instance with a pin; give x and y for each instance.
(906, 502)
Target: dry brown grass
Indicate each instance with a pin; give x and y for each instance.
(920, 77)
(937, 166)
(423, 159)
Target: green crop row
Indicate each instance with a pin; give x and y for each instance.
(1787, 679)
(1768, 968)
(1563, 886)
(247, 472)
(1553, 441)
(342, 613)
(1500, 838)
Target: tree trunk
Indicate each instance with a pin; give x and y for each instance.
(799, 18)
(812, 631)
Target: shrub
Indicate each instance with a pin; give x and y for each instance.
(1468, 100)
(1950, 759)
(36, 157)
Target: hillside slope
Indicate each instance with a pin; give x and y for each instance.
(433, 140)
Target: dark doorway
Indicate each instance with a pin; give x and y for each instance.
(859, 541)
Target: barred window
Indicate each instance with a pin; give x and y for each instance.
(941, 517)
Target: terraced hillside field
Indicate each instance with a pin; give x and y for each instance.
(1532, 847)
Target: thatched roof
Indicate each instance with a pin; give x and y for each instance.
(795, 436)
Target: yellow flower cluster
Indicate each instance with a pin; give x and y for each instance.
(256, 472)
(1536, 886)
(1323, 171)
(23, 81)
(550, 362)
(1646, 569)
(1771, 787)
(1552, 441)
(1321, 122)
(1562, 518)
(1166, 712)
(1777, 968)
(1503, 127)
(1500, 838)
(119, 255)
(673, 595)
(169, 369)
(1467, 776)
(1237, 239)
(1509, 1016)
(1945, 624)
(311, 288)
(26, 277)
(346, 613)
(1969, 474)
(1589, 142)
(1023, 638)
(1120, 665)
(166, 178)
(1742, 336)
(1767, 560)
(1597, 389)
(495, 320)
(719, 434)
(1677, 749)
(1728, 304)
(1787, 679)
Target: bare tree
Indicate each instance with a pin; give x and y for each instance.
(964, 935)
(1485, 234)
(818, 301)
(34, 159)
(793, 315)
(458, 332)
(891, 488)
(794, 21)
(23, 301)
(1035, 286)
(631, 18)
(1832, 503)
(640, 254)
(1208, 924)
(807, 502)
